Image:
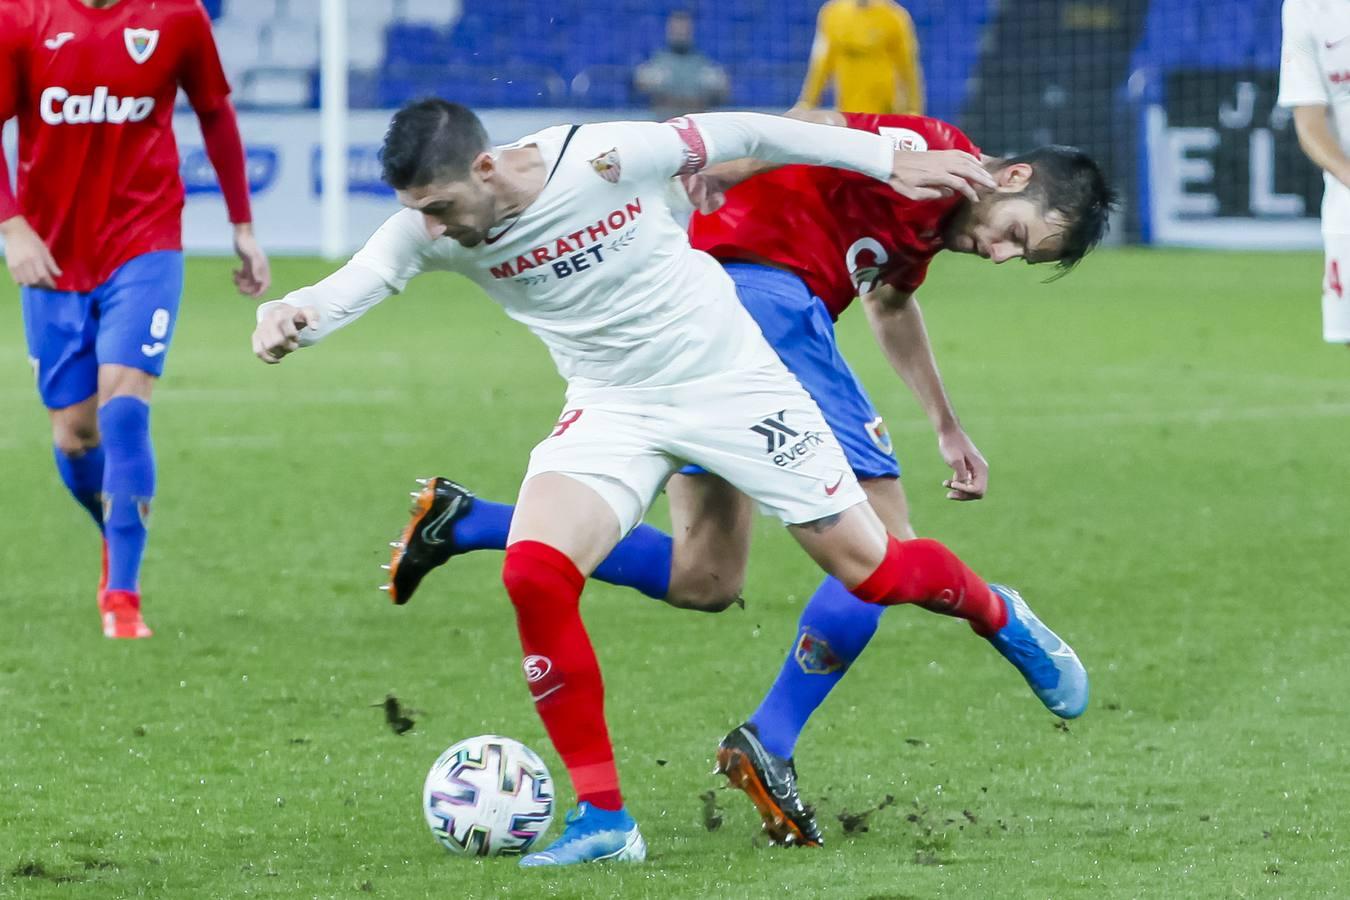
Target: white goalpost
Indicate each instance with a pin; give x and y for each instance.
(333, 125)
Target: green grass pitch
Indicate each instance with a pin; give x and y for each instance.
(1169, 441)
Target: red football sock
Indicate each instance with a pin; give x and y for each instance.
(561, 670)
(925, 572)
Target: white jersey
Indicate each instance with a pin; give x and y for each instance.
(597, 265)
(1315, 71)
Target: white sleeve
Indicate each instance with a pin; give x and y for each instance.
(689, 143)
(1301, 81)
(393, 255)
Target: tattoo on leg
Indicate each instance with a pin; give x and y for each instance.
(820, 526)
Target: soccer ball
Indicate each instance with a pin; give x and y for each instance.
(488, 796)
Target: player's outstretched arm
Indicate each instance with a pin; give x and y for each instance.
(739, 145)
(394, 254)
(898, 324)
(279, 327)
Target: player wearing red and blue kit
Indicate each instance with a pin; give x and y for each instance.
(829, 240)
(94, 237)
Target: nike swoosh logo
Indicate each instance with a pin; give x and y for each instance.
(154, 349)
(56, 42)
(1332, 44)
(432, 535)
(779, 792)
(1063, 651)
(830, 491)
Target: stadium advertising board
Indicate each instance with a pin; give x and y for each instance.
(1223, 167)
(285, 164)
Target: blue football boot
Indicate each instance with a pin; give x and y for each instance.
(1047, 663)
(593, 835)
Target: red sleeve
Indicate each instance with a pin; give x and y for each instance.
(9, 204)
(225, 149)
(913, 132)
(13, 39)
(200, 73)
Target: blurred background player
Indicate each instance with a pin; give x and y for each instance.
(679, 79)
(1315, 83)
(94, 237)
(868, 52)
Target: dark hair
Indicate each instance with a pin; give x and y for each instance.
(430, 140)
(1068, 181)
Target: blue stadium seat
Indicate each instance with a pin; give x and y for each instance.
(765, 85)
(604, 87)
(516, 84)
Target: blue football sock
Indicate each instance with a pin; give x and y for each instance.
(484, 526)
(640, 561)
(834, 628)
(83, 476)
(128, 486)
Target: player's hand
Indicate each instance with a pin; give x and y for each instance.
(705, 192)
(255, 275)
(278, 332)
(970, 473)
(30, 262)
(933, 174)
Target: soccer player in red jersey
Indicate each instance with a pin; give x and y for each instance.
(802, 243)
(94, 237)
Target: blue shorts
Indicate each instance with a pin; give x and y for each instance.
(799, 328)
(127, 321)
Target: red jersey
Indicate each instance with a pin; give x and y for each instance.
(841, 232)
(94, 90)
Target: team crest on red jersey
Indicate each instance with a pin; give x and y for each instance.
(607, 165)
(141, 42)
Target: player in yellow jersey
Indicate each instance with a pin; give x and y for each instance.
(869, 50)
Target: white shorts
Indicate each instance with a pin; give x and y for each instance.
(1335, 291)
(757, 428)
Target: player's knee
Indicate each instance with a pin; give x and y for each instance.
(706, 594)
(75, 438)
(535, 574)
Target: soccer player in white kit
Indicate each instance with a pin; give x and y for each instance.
(1315, 83)
(570, 231)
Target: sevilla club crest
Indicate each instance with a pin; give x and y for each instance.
(606, 165)
(141, 42)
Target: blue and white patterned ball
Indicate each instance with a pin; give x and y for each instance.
(488, 796)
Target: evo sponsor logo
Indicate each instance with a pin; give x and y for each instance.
(788, 447)
(58, 106)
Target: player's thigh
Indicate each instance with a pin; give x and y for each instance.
(888, 501)
(711, 525)
(1335, 292)
(568, 515)
(138, 312)
(594, 453)
(60, 329)
(849, 545)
